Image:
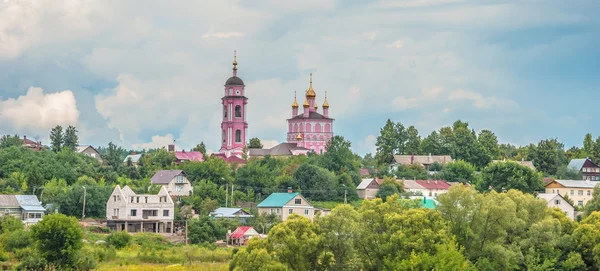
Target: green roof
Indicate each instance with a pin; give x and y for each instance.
(277, 199)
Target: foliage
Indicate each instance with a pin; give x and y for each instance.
(71, 139)
(509, 175)
(255, 143)
(58, 239)
(8, 141)
(118, 239)
(10, 224)
(411, 171)
(56, 138)
(593, 205)
(390, 142)
(458, 171)
(389, 187)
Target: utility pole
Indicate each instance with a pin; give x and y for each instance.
(186, 238)
(84, 194)
(231, 195)
(226, 194)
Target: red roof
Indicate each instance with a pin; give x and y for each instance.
(230, 159)
(433, 184)
(364, 172)
(240, 231)
(194, 156)
(379, 181)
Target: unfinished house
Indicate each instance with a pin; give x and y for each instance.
(131, 212)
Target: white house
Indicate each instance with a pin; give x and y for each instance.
(285, 204)
(131, 212)
(557, 201)
(175, 181)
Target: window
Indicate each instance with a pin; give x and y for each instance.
(552, 191)
(277, 211)
(146, 199)
(238, 111)
(290, 211)
(589, 192)
(138, 199)
(34, 215)
(224, 111)
(114, 198)
(93, 155)
(238, 136)
(572, 192)
(133, 212)
(306, 212)
(147, 213)
(165, 212)
(557, 202)
(115, 212)
(271, 210)
(580, 203)
(180, 179)
(179, 188)
(298, 201)
(580, 192)
(132, 199)
(224, 137)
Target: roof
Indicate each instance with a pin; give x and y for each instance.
(229, 212)
(230, 159)
(82, 148)
(190, 156)
(576, 164)
(26, 202)
(528, 164)
(234, 81)
(134, 158)
(277, 199)
(364, 183)
(422, 159)
(243, 230)
(433, 184)
(577, 183)
(165, 176)
(311, 115)
(278, 150)
(410, 184)
(548, 197)
(364, 171)
(8, 201)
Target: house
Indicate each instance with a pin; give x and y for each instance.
(322, 211)
(368, 188)
(433, 188)
(578, 191)
(281, 150)
(557, 201)
(131, 212)
(284, 204)
(25, 207)
(522, 162)
(364, 172)
(424, 160)
(234, 213)
(241, 235)
(414, 187)
(191, 156)
(230, 159)
(135, 158)
(89, 151)
(589, 170)
(32, 145)
(175, 181)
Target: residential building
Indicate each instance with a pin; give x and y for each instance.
(284, 204)
(241, 235)
(175, 181)
(131, 212)
(589, 170)
(578, 191)
(234, 128)
(522, 162)
(232, 213)
(424, 160)
(310, 129)
(557, 201)
(32, 145)
(365, 172)
(368, 188)
(281, 150)
(433, 188)
(25, 207)
(413, 186)
(191, 156)
(134, 157)
(89, 151)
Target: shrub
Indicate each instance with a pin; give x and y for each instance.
(119, 239)
(98, 229)
(4, 256)
(59, 239)
(9, 224)
(33, 262)
(150, 240)
(16, 240)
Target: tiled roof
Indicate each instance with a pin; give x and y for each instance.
(410, 184)
(277, 199)
(194, 156)
(135, 158)
(422, 159)
(578, 183)
(278, 150)
(230, 159)
(164, 176)
(364, 172)
(433, 184)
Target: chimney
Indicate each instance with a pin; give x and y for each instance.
(171, 148)
(289, 189)
(133, 153)
(24, 137)
(182, 150)
(412, 158)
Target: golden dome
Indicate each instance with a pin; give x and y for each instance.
(306, 103)
(316, 107)
(310, 93)
(325, 103)
(234, 60)
(299, 137)
(295, 104)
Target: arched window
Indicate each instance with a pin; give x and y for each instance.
(327, 128)
(223, 136)
(317, 128)
(307, 128)
(295, 128)
(225, 111)
(238, 135)
(238, 111)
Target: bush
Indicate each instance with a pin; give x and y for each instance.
(16, 240)
(59, 239)
(150, 240)
(4, 256)
(9, 224)
(98, 229)
(119, 239)
(33, 262)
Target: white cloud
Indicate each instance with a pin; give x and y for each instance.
(397, 44)
(157, 142)
(479, 101)
(269, 143)
(37, 111)
(220, 35)
(404, 103)
(368, 144)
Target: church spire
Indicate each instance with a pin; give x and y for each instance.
(310, 93)
(325, 103)
(295, 104)
(235, 63)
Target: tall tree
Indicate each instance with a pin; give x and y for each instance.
(57, 138)
(432, 144)
(388, 142)
(446, 135)
(588, 144)
(413, 141)
(8, 141)
(508, 175)
(113, 156)
(255, 143)
(595, 155)
(71, 139)
(507, 151)
(547, 156)
(339, 157)
(489, 142)
(459, 171)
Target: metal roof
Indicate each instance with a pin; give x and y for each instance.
(8, 201)
(229, 212)
(576, 164)
(165, 176)
(134, 158)
(364, 183)
(578, 183)
(277, 199)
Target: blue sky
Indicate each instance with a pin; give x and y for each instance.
(145, 73)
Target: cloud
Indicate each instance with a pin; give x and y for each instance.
(368, 144)
(269, 143)
(221, 35)
(404, 103)
(37, 111)
(157, 142)
(481, 102)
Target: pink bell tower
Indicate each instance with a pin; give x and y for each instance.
(234, 127)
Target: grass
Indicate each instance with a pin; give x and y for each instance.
(172, 267)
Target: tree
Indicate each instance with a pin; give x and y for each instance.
(446, 139)
(59, 239)
(316, 183)
(71, 139)
(566, 173)
(547, 156)
(412, 171)
(432, 144)
(413, 142)
(507, 151)
(255, 143)
(503, 176)
(389, 187)
(56, 138)
(296, 243)
(8, 141)
(595, 155)
(201, 148)
(489, 142)
(459, 171)
(593, 205)
(339, 157)
(339, 228)
(113, 156)
(390, 141)
(202, 230)
(588, 145)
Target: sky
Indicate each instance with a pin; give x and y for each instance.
(142, 73)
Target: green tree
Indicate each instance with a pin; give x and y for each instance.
(71, 139)
(113, 156)
(510, 175)
(432, 144)
(201, 148)
(202, 230)
(595, 155)
(588, 145)
(339, 157)
(339, 228)
(316, 183)
(57, 138)
(413, 141)
(489, 142)
(59, 239)
(118, 239)
(390, 141)
(255, 143)
(256, 256)
(593, 205)
(507, 151)
(8, 141)
(446, 136)
(296, 243)
(389, 187)
(411, 171)
(459, 171)
(10, 224)
(547, 156)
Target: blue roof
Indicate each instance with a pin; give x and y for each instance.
(577, 164)
(277, 199)
(29, 203)
(228, 212)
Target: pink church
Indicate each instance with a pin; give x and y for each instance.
(310, 129)
(234, 127)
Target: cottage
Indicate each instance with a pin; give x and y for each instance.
(32, 145)
(589, 170)
(89, 151)
(423, 160)
(368, 188)
(25, 207)
(433, 188)
(578, 191)
(557, 201)
(131, 212)
(284, 204)
(175, 181)
(191, 156)
(134, 158)
(413, 187)
(233, 213)
(241, 235)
